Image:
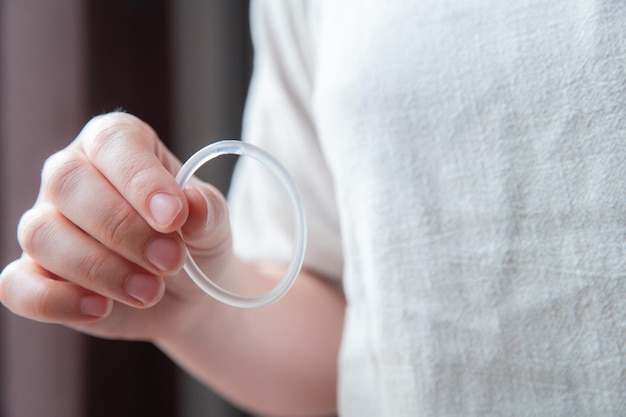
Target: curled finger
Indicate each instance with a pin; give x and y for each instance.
(60, 247)
(32, 292)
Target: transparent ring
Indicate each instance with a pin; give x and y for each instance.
(235, 147)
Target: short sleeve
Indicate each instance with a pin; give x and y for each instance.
(278, 118)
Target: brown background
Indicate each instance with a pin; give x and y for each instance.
(183, 66)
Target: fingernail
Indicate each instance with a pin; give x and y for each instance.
(164, 208)
(165, 254)
(144, 288)
(94, 305)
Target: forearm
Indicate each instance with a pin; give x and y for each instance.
(276, 360)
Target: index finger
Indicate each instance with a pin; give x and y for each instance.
(130, 156)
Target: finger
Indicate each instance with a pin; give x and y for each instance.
(32, 292)
(207, 230)
(129, 154)
(60, 247)
(80, 192)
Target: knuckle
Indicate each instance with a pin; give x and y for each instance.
(6, 277)
(105, 142)
(104, 120)
(41, 305)
(33, 230)
(32, 304)
(106, 132)
(92, 268)
(61, 172)
(119, 224)
(142, 175)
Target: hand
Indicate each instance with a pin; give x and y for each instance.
(101, 251)
(102, 254)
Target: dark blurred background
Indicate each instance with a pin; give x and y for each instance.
(183, 66)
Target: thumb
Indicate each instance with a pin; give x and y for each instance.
(207, 230)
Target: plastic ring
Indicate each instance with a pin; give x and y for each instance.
(235, 147)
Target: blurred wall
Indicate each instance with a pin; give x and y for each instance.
(211, 65)
(182, 66)
(42, 104)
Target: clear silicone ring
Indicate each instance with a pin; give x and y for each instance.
(235, 147)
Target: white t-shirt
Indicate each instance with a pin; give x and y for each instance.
(463, 165)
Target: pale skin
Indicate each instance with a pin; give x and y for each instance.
(102, 254)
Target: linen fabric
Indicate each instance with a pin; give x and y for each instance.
(463, 167)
